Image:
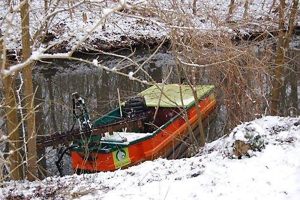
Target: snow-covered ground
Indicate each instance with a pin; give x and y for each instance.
(272, 173)
(143, 21)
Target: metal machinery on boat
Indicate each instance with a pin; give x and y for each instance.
(153, 124)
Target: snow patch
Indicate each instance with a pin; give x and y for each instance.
(272, 174)
(95, 62)
(106, 11)
(130, 75)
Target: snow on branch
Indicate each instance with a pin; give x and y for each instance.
(210, 64)
(40, 54)
(35, 56)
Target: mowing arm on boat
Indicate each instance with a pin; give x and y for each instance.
(80, 112)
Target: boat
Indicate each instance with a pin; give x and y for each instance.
(157, 121)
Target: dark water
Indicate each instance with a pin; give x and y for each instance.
(56, 81)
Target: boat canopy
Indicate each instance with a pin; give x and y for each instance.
(170, 95)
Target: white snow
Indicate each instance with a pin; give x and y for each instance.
(107, 11)
(272, 174)
(124, 137)
(35, 55)
(95, 62)
(3, 137)
(128, 27)
(130, 75)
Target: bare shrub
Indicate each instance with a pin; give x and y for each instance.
(238, 67)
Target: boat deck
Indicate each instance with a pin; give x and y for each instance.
(170, 116)
(124, 138)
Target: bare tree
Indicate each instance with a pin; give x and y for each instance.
(294, 78)
(284, 38)
(12, 124)
(29, 95)
(272, 6)
(246, 9)
(231, 9)
(194, 7)
(26, 67)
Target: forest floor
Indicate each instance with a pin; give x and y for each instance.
(142, 23)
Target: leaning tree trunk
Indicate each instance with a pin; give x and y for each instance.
(29, 96)
(15, 159)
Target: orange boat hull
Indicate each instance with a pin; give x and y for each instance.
(157, 146)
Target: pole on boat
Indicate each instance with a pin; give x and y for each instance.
(119, 99)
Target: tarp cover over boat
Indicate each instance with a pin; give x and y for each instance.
(160, 132)
(174, 95)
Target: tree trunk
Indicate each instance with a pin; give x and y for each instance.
(202, 139)
(40, 130)
(71, 10)
(272, 6)
(46, 7)
(284, 38)
(294, 76)
(29, 96)
(46, 3)
(246, 8)
(263, 4)
(12, 126)
(194, 7)
(230, 12)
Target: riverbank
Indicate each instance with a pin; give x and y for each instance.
(139, 22)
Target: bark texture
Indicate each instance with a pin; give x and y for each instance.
(29, 96)
(15, 159)
(284, 38)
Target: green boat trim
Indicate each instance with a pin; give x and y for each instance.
(149, 94)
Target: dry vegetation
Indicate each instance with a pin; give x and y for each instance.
(241, 68)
